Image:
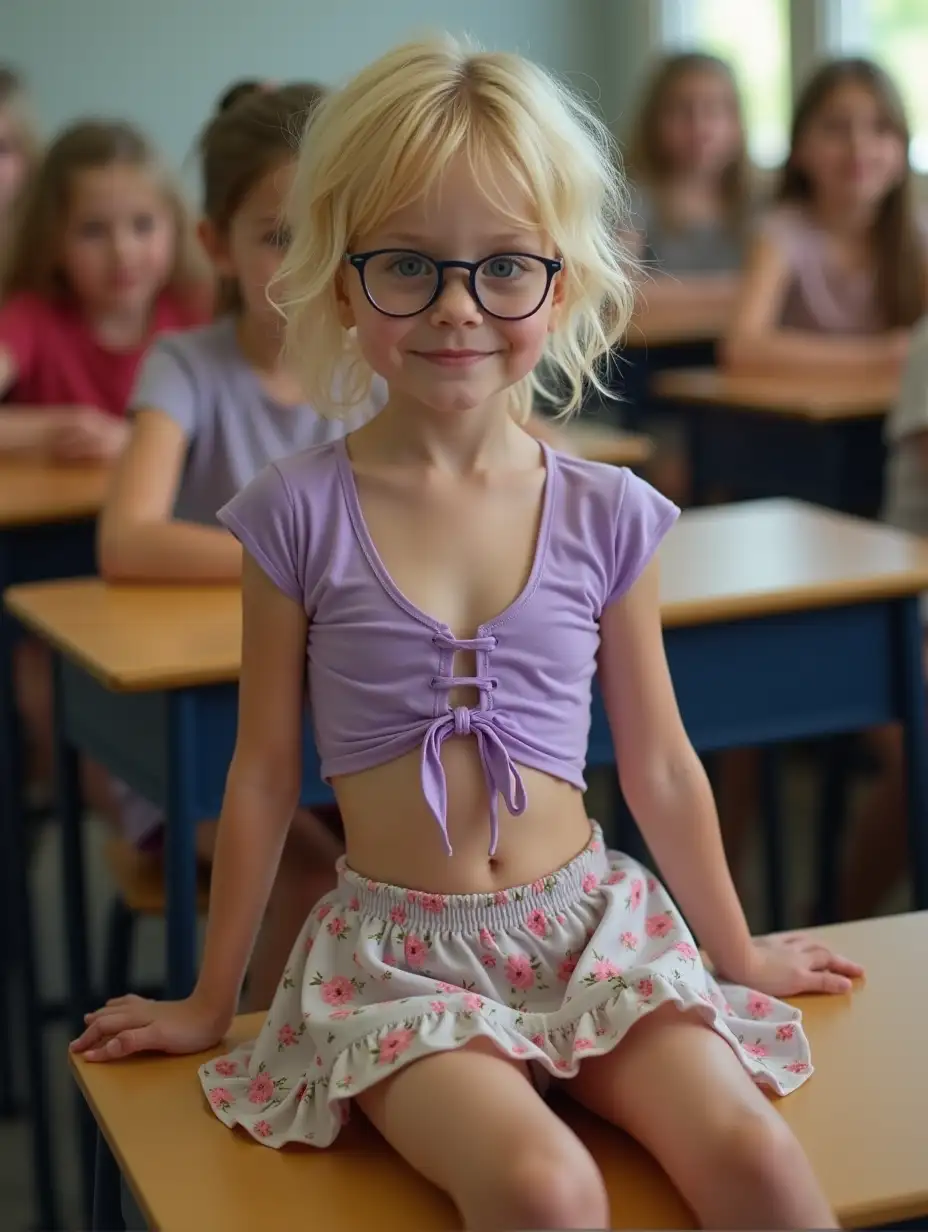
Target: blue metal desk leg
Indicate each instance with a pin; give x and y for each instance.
(181, 848)
(70, 807)
(772, 816)
(107, 1193)
(911, 695)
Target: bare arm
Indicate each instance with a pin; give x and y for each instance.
(756, 343)
(138, 538)
(263, 787)
(662, 779)
(23, 429)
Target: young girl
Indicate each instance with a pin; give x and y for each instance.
(453, 584)
(837, 276)
(691, 197)
(211, 407)
(104, 257)
(19, 147)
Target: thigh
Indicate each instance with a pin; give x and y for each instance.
(460, 1118)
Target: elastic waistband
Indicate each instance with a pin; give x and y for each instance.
(466, 912)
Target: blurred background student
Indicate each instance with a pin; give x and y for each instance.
(19, 148)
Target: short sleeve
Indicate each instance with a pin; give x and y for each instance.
(784, 229)
(262, 517)
(20, 326)
(910, 414)
(644, 519)
(166, 383)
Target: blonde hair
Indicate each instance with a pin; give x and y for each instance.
(386, 138)
(89, 145)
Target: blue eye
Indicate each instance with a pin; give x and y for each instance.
(503, 267)
(410, 266)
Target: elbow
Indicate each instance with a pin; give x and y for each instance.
(115, 557)
(667, 785)
(739, 351)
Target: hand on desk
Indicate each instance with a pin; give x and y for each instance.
(127, 1025)
(87, 435)
(794, 963)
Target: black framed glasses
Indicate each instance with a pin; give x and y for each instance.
(402, 283)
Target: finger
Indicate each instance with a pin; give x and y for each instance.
(826, 959)
(96, 1031)
(137, 1039)
(828, 982)
(128, 998)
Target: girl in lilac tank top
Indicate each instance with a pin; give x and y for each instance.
(447, 588)
(837, 277)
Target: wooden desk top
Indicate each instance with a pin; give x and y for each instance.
(819, 401)
(727, 563)
(598, 442)
(862, 1118)
(34, 494)
(674, 325)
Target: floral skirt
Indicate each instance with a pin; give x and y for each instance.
(550, 972)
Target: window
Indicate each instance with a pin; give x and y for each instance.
(895, 33)
(754, 38)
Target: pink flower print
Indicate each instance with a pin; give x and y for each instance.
(415, 950)
(616, 877)
(686, 950)
(354, 904)
(488, 960)
(219, 1097)
(605, 970)
(501, 898)
(561, 1064)
(438, 1007)
(307, 945)
(337, 991)
(635, 891)
(398, 915)
(759, 1005)
(583, 1045)
(785, 1032)
(473, 1002)
(538, 1040)
(394, 1044)
(629, 941)
(519, 1050)
(336, 926)
(589, 883)
(286, 1036)
(371, 884)
(442, 986)
(537, 922)
(560, 917)
(652, 885)
(432, 902)
(260, 1089)
(263, 1129)
(645, 988)
(596, 845)
(411, 896)
(566, 968)
(300, 1092)
(658, 925)
(538, 886)
(755, 1050)
(519, 971)
(798, 1067)
(340, 1015)
(487, 940)
(225, 1067)
(323, 911)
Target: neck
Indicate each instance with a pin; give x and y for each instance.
(457, 442)
(120, 327)
(261, 342)
(848, 220)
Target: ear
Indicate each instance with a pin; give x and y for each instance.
(216, 245)
(342, 299)
(558, 293)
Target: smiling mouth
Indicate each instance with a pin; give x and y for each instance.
(453, 359)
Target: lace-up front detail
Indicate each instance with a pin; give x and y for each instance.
(502, 777)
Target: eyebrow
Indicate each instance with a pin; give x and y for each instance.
(508, 242)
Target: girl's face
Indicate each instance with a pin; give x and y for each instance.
(699, 129)
(13, 163)
(119, 239)
(255, 242)
(453, 355)
(849, 151)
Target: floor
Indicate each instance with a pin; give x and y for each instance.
(16, 1213)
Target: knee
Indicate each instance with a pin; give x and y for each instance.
(760, 1155)
(552, 1189)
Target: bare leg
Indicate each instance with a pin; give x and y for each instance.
(680, 1090)
(471, 1122)
(306, 873)
(875, 850)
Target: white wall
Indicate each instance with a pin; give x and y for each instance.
(163, 62)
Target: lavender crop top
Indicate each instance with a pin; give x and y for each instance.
(379, 669)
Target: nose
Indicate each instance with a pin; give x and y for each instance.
(455, 305)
